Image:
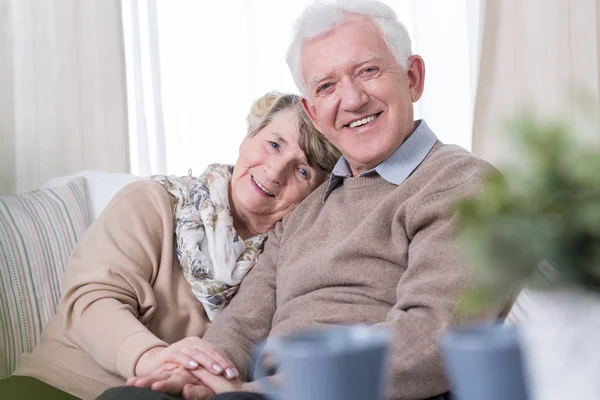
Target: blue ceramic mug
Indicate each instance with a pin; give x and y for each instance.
(484, 361)
(342, 363)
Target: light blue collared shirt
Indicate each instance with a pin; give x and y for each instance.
(397, 167)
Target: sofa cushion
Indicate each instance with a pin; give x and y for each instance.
(38, 230)
(101, 186)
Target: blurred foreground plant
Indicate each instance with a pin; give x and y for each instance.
(541, 216)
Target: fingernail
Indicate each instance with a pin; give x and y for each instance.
(193, 364)
(230, 373)
(217, 368)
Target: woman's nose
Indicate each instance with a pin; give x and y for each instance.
(276, 169)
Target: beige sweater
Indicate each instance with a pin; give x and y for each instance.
(124, 293)
(373, 253)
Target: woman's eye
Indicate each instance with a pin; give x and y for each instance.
(275, 145)
(369, 71)
(304, 172)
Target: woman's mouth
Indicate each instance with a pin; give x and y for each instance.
(261, 187)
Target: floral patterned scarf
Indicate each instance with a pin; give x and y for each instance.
(213, 257)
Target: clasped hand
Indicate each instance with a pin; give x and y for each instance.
(191, 368)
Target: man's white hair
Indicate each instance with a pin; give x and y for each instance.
(324, 17)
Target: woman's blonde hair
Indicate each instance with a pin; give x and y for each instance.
(319, 152)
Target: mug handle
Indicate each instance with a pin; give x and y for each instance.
(262, 350)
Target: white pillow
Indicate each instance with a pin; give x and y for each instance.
(101, 186)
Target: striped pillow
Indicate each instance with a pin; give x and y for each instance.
(37, 233)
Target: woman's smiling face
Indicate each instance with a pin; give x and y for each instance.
(271, 176)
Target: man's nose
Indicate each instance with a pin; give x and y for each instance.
(353, 95)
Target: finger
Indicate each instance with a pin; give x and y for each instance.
(196, 392)
(212, 352)
(231, 373)
(172, 386)
(205, 361)
(178, 357)
(131, 381)
(147, 381)
(216, 383)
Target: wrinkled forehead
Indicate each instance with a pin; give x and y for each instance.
(284, 129)
(356, 40)
(284, 126)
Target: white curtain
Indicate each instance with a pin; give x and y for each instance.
(215, 58)
(541, 55)
(147, 137)
(62, 90)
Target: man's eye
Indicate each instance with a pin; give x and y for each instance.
(275, 145)
(323, 87)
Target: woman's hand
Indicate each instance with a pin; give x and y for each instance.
(188, 353)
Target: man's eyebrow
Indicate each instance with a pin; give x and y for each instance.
(316, 79)
(363, 60)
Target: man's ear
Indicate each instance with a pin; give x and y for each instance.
(310, 110)
(416, 77)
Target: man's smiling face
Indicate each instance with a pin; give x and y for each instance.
(359, 97)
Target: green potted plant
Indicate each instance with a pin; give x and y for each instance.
(537, 227)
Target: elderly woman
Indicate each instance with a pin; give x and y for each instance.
(138, 296)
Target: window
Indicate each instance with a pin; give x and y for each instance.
(210, 60)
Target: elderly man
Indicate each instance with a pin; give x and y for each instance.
(374, 244)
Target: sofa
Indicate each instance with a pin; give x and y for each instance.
(38, 230)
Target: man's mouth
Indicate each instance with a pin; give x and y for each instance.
(264, 189)
(363, 121)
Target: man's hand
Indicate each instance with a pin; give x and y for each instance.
(190, 384)
(173, 379)
(217, 383)
(188, 353)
